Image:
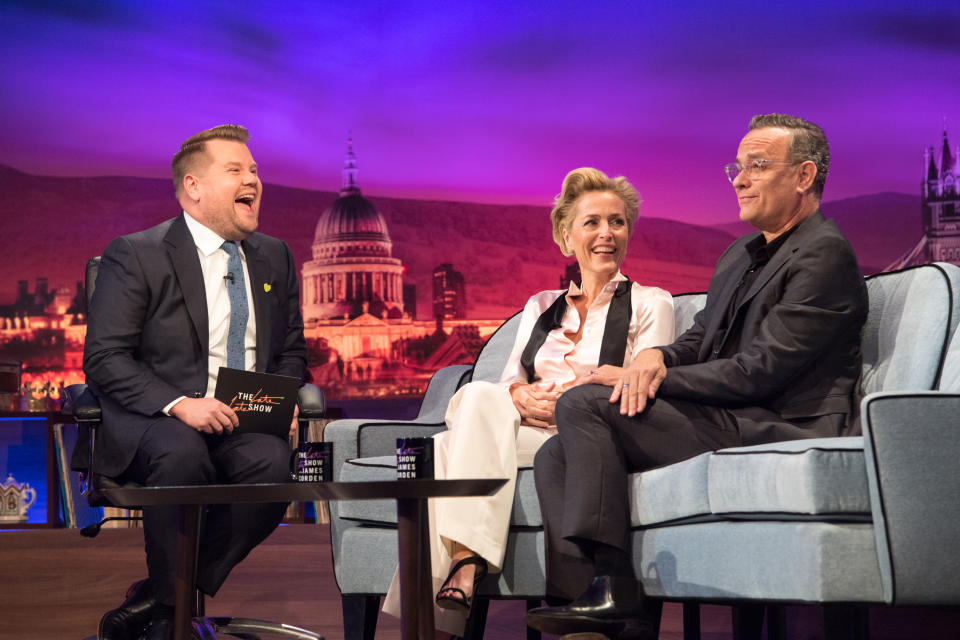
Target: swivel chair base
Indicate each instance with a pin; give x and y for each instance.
(212, 628)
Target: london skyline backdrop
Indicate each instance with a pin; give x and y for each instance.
(480, 101)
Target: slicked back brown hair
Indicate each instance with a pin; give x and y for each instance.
(194, 147)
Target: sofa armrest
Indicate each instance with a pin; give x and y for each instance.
(356, 438)
(443, 385)
(360, 438)
(365, 438)
(911, 447)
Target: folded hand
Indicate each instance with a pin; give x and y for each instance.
(536, 403)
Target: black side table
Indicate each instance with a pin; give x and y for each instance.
(412, 528)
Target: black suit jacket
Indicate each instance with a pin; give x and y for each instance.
(793, 347)
(147, 332)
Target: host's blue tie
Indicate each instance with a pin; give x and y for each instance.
(237, 290)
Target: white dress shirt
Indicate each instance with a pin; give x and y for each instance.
(213, 265)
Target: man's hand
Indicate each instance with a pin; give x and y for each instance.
(293, 423)
(206, 415)
(640, 382)
(535, 403)
(634, 385)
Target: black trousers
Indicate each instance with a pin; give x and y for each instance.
(581, 475)
(171, 453)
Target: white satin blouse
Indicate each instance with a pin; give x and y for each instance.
(560, 360)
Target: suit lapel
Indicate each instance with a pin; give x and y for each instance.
(260, 287)
(783, 255)
(186, 264)
(724, 296)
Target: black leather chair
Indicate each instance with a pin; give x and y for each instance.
(83, 406)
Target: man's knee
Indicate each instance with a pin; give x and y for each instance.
(256, 457)
(582, 398)
(548, 468)
(549, 455)
(181, 462)
(279, 460)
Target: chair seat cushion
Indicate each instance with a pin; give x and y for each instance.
(526, 507)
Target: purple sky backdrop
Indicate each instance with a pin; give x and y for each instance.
(483, 101)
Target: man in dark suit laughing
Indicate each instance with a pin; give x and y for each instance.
(774, 355)
(173, 304)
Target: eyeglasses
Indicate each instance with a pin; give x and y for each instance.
(752, 169)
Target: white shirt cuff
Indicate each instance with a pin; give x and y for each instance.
(166, 409)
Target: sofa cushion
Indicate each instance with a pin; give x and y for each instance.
(820, 476)
(823, 477)
(677, 491)
(526, 507)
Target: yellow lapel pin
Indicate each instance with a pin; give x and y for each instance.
(266, 287)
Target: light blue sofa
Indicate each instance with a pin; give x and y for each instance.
(871, 519)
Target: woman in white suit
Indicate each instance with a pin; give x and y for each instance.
(586, 334)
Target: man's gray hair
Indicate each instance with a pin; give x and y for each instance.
(807, 142)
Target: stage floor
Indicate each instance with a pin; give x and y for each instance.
(56, 585)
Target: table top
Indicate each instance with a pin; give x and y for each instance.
(300, 491)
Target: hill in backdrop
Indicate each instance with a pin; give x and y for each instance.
(52, 225)
(881, 226)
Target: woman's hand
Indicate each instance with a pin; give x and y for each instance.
(536, 403)
(608, 375)
(634, 385)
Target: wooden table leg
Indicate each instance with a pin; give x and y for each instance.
(416, 603)
(188, 535)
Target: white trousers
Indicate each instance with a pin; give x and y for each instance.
(484, 439)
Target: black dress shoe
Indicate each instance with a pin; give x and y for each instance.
(614, 607)
(162, 629)
(128, 621)
(159, 629)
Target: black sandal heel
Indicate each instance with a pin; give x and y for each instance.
(461, 602)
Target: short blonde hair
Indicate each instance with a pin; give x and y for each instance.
(186, 159)
(585, 180)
